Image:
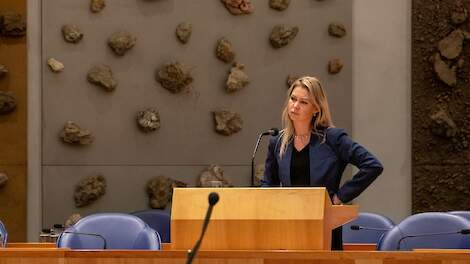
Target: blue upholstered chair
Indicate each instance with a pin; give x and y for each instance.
(159, 220)
(110, 231)
(426, 230)
(464, 214)
(367, 221)
(3, 235)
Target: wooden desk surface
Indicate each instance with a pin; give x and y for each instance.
(67, 256)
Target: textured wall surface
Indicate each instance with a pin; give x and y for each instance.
(186, 142)
(441, 112)
(13, 130)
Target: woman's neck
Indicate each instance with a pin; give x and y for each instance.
(302, 129)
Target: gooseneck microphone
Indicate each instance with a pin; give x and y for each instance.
(273, 132)
(88, 234)
(462, 231)
(213, 199)
(358, 227)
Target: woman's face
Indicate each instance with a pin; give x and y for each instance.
(301, 108)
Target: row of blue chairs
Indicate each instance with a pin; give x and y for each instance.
(426, 230)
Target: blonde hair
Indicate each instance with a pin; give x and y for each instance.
(318, 97)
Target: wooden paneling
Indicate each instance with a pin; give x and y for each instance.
(13, 130)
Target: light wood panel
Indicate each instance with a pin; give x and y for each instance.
(13, 130)
(257, 218)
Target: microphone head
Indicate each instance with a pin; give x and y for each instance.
(273, 131)
(355, 227)
(213, 198)
(465, 231)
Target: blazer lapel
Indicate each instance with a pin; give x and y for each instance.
(284, 166)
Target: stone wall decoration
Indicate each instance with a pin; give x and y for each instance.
(102, 76)
(121, 42)
(3, 179)
(440, 106)
(238, 7)
(3, 71)
(281, 35)
(12, 25)
(446, 73)
(174, 77)
(335, 66)
(279, 5)
(97, 5)
(291, 78)
(7, 102)
(148, 120)
(89, 190)
(227, 122)
(72, 220)
(73, 134)
(183, 32)
(259, 173)
(224, 50)
(337, 30)
(55, 65)
(459, 13)
(160, 191)
(212, 176)
(71, 33)
(237, 79)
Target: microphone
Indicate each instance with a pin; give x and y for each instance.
(88, 234)
(358, 227)
(213, 199)
(273, 132)
(462, 231)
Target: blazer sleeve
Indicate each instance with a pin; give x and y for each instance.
(271, 169)
(351, 152)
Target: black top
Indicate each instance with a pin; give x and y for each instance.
(300, 167)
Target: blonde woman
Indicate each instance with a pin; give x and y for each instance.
(310, 151)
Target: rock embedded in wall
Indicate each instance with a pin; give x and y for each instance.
(148, 120)
(237, 79)
(183, 32)
(238, 7)
(450, 47)
(224, 50)
(337, 30)
(459, 13)
(279, 5)
(290, 79)
(55, 65)
(175, 77)
(89, 190)
(72, 220)
(335, 66)
(212, 176)
(73, 134)
(3, 179)
(3, 71)
(97, 5)
(102, 76)
(121, 42)
(442, 124)
(227, 122)
(160, 191)
(259, 174)
(445, 73)
(282, 35)
(12, 25)
(7, 102)
(72, 33)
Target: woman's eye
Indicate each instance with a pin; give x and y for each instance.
(304, 102)
(292, 98)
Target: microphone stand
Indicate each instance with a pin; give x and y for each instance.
(463, 232)
(253, 159)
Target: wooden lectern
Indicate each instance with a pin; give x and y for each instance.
(257, 218)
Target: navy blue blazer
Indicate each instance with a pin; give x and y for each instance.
(328, 159)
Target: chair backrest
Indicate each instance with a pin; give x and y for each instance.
(464, 214)
(110, 231)
(365, 235)
(426, 230)
(3, 235)
(159, 220)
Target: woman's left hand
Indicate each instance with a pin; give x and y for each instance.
(336, 200)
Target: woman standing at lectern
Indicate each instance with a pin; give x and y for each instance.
(310, 151)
